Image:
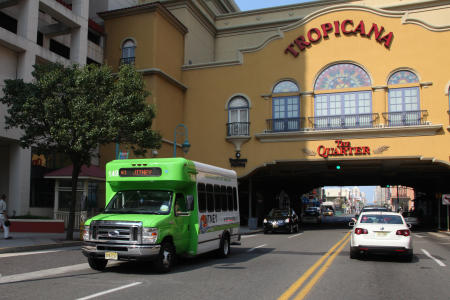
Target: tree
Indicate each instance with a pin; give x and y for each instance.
(74, 109)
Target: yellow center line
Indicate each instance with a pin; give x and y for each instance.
(319, 273)
(297, 284)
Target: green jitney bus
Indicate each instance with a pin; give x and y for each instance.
(158, 208)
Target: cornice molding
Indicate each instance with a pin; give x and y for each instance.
(159, 72)
(145, 8)
(360, 133)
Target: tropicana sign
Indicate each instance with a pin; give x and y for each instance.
(345, 27)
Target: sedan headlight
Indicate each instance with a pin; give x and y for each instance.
(287, 220)
(149, 235)
(265, 221)
(85, 233)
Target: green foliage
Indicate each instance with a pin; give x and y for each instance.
(73, 109)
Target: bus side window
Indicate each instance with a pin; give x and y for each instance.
(201, 197)
(180, 203)
(217, 198)
(230, 197)
(223, 198)
(235, 200)
(209, 198)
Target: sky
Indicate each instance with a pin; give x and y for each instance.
(368, 190)
(257, 4)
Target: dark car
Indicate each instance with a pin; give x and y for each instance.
(281, 220)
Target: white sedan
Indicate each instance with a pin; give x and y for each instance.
(381, 232)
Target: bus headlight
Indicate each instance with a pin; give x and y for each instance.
(149, 235)
(85, 233)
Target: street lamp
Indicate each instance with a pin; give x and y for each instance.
(185, 146)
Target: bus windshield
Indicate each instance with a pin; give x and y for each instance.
(140, 202)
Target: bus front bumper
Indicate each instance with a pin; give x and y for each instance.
(123, 251)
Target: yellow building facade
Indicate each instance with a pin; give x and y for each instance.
(297, 97)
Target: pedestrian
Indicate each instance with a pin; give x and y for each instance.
(4, 217)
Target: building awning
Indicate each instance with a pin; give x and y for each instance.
(89, 173)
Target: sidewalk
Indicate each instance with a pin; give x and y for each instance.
(23, 241)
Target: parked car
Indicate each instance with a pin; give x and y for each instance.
(281, 220)
(312, 215)
(381, 232)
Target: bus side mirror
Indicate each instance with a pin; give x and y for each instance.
(190, 202)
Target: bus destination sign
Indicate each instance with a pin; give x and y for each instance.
(139, 172)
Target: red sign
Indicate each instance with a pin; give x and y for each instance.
(346, 27)
(342, 149)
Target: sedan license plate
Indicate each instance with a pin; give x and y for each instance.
(111, 255)
(275, 225)
(381, 233)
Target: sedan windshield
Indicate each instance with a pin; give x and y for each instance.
(279, 213)
(140, 202)
(381, 219)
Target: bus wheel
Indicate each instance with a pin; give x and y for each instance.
(97, 263)
(224, 249)
(166, 257)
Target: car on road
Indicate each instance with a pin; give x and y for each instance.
(312, 215)
(281, 220)
(412, 218)
(328, 212)
(381, 232)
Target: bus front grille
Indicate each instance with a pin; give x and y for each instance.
(116, 231)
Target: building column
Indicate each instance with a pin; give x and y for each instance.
(79, 36)
(27, 23)
(19, 180)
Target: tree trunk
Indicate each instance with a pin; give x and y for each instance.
(73, 202)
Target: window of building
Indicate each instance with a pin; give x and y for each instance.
(59, 48)
(128, 52)
(404, 102)
(238, 120)
(285, 107)
(336, 110)
(8, 23)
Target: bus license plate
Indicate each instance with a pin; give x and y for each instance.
(111, 255)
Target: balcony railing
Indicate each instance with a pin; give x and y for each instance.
(238, 129)
(405, 118)
(287, 124)
(127, 60)
(344, 121)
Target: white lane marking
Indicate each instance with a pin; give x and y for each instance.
(419, 236)
(36, 252)
(110, 291)
(250, 250)
(440, 235)
(246, 236)
(295, 235)
(46, 273)
(444, 243)
(433, 258)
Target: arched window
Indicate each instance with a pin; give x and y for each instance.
(285, 107)
(238, 120)
(128, 52)
(337, 110)
(404, 101)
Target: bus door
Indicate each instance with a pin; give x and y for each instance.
(182, 223)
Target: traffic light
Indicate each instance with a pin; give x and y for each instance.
(338, 167)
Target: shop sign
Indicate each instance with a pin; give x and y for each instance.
(346, 27)
(342, 149)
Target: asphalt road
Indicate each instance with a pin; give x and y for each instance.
(272, 266)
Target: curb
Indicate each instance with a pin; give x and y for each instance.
(40, 247)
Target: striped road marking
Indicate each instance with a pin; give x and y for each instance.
(433, 258)
(110, 291)
(250, 250)
(295, 235)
